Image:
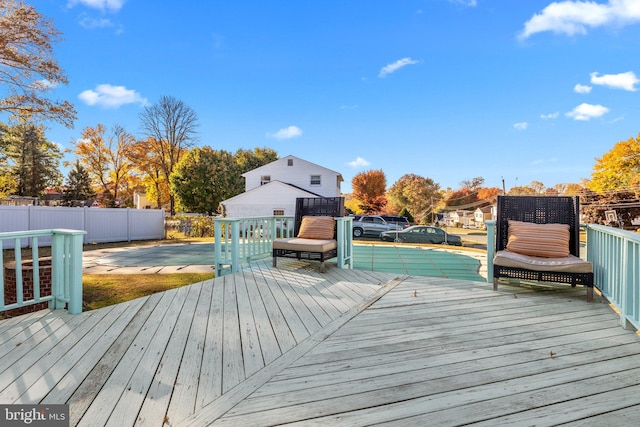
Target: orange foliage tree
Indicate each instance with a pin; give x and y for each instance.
(369, 187)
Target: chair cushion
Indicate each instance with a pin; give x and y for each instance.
(539, 240)
(305, 245)
(317, 227)
(568, 264)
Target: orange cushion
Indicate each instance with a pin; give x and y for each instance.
(317, 227)
(540, 240)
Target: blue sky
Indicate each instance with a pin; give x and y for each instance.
(447, 89)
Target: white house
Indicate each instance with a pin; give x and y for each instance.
(486, 213)
(272, 189)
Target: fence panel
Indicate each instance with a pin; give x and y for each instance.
(107, 225)
(101, 225)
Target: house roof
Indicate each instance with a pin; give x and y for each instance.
(265, 187)
(281, 160)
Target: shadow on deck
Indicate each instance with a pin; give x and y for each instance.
(290, 345)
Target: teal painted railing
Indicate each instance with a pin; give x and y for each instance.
(615, 255)
(241, 240)
(491, 248)
(66, 268)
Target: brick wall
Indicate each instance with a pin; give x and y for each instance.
(10, 296)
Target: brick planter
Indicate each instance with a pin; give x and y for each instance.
(10, 296)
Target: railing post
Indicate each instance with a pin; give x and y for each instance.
(345, 242)
(66, 269)
(491, 245)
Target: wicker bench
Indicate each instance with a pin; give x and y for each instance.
(301, 247)
(569, 269)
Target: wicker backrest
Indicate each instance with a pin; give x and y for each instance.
(539, 210)
(318, 206)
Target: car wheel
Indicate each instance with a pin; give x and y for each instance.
(357, 232)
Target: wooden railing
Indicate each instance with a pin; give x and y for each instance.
(615, 255)
(241, 240)
(66, 269)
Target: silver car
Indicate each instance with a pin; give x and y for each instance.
(372, 225)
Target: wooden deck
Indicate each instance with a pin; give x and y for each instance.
(290, 345)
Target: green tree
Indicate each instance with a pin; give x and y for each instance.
(78, 185)
(32, 159)
(247, 160)
(28, 69)
(416, 194)
(202, 179)
(369, 188)
(617, 168)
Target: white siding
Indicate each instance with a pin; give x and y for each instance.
(299, 174)
(262, 201)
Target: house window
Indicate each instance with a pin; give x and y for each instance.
(265, 179)
(289, 162)
(278, 212)
(315, 180)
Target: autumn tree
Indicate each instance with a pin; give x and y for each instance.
(488, 193)
(416, 194)
(617, 168)
(28, 69)
(106, 158)
(202, 179)
(170, 126)
(369, 188)
(155, 183)
(472, 184)
(78, 185)
(32, 160)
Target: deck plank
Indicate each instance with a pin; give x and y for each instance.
(293, 345)
(130, 366)
(210, 381)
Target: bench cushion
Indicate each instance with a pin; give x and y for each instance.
(305, 245)
(317, 227)
(568, 264)
(539, 240)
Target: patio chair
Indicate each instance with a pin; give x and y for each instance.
(538, 239)
(314, 229)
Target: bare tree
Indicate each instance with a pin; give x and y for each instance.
(28, 69)
(171, 129)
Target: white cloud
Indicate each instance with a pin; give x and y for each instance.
(286, 133)
(581, 88)
(586, 112)
(573, 17)
(626, 81)
(108, 96)
(111, 5)
(391, 68)
(549, 116)
(471, 3)
(358, 163)
(521, 125)
(92, 23)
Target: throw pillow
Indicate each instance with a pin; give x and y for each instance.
(317, 227)
(540, 240)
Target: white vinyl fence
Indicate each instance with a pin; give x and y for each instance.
(101, 224)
